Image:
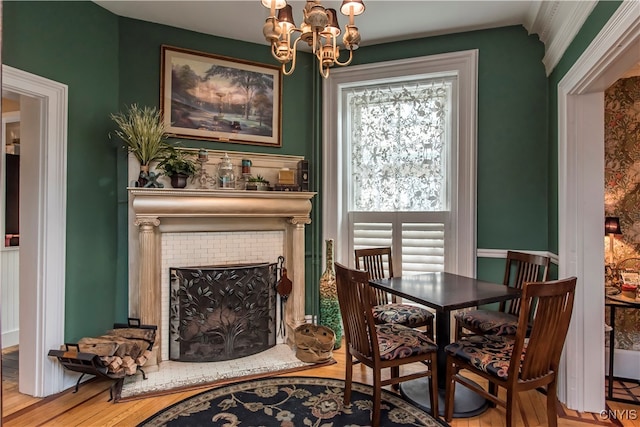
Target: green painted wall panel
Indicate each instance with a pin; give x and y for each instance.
(75, 43)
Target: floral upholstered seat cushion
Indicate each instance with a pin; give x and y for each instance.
(404, 314)
(398, 341)
(489, 322)
(489, 353)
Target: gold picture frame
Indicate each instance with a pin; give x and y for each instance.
(216, 98)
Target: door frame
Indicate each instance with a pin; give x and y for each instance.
(43, 111)
(581, 200)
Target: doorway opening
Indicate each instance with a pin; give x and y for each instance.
(43, 115)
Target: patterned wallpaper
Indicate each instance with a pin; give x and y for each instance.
(622, 185)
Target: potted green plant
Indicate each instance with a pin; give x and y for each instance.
(178, 165)
(144, 134)
(257, 183)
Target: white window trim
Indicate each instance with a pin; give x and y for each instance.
(465, 64)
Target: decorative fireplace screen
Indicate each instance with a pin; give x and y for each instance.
(222, 312)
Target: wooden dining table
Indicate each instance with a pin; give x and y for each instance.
(445, 292)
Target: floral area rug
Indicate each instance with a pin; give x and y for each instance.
(288, 402)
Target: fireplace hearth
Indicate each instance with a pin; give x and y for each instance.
(222, 312)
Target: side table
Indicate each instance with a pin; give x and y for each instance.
(613, 304)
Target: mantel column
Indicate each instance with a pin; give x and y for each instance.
(149, 280)
(295, 307)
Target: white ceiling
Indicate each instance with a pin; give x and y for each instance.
(383, 20)
(554, 21)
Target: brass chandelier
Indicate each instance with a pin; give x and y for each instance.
(320, 30)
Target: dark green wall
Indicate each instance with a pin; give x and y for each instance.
(76, 43)
(592, 26)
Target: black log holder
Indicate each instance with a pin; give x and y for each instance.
(88, 363)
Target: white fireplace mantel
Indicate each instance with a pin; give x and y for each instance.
(153, 211)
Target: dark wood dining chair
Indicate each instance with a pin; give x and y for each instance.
(379, 264)
(380, 346)
(514, 363)
(520, 268)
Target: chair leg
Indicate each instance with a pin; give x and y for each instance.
(511, 413)
(395, 373)
(552, 414)
(348, 377)
(377, 398)
(458, 331)
(433, 386)
(450, 389)
(493, 389)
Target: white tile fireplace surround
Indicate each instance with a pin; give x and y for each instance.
(217, 248)
(189, 227)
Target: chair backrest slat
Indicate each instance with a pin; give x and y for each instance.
(553, 304)
(356, 299)
(378, 262)
(520, 268)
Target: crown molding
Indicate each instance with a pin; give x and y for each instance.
(556, 23)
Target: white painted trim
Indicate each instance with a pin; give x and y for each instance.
(581, 201)
(626, 363)
(502, 253)
(466, 65)
(42, 300)
(571, 18)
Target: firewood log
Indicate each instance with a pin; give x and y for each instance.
(125, 346)
(141, 360)
(131, 370)
(127, 361)
(148, 335)
(98, 346)
(115, 363)
(106, 360)
(118, 373)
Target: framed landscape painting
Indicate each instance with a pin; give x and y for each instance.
(205, 96)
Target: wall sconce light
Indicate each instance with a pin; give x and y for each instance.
(611, 227)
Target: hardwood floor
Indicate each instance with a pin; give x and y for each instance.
(90, 406)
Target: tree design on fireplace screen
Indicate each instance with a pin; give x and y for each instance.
(222, 312)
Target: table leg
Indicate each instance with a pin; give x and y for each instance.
(612, 319)
(466, 402)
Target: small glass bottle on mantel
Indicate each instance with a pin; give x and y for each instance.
(329, 306)
(226, 177)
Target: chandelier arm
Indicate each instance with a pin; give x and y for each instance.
(342, 64)
(274, 49)
(322, 69)
(294, 49)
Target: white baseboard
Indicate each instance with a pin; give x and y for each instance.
(10, 338)
(626, 363)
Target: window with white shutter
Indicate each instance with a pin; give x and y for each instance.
(399, 169)
(398, 143)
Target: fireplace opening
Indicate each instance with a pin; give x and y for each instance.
(222, 312)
